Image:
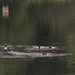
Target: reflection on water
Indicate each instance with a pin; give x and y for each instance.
(53, 66)
(31, 51)
(38, 23)
(14, 54)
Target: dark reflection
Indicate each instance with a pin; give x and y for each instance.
(13, 67)
(52, 66)
(38, 23)
(42, 66)
(51, 21)
(31, 23)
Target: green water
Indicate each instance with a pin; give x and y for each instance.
(42, 66)
(39, 22)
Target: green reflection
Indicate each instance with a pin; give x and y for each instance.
(46, 66)
(71, 48)
(12, 67)
(39, 22)
(29, 23)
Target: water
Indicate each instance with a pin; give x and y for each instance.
(31, 24)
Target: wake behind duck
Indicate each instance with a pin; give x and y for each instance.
(36, 54)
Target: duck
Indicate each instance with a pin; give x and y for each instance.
(39, 47)
(5, 47)
(52, 49)
(44, 53)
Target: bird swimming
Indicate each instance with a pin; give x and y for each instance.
(5, 47)
(52, 49)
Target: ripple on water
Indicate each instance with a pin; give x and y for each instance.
(15, 54)
(35, 54)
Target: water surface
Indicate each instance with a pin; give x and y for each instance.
(37, 23)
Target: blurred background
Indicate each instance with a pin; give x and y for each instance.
(41, 22)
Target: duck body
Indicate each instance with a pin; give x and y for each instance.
(5, 48)
(52, 49)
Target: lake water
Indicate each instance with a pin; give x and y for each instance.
(31, 24)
